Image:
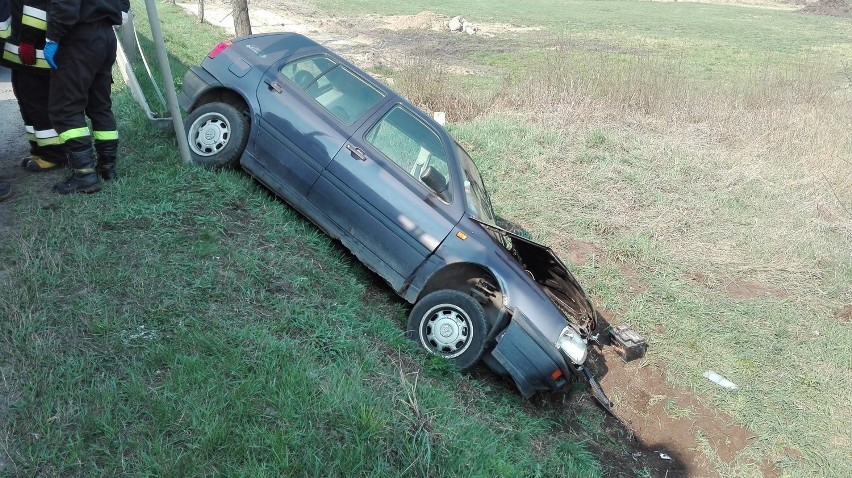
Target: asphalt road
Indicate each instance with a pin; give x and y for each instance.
(32, 189)
(13, 146)
(12, 138)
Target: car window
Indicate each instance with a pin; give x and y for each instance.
(333, 86)
(414, 147)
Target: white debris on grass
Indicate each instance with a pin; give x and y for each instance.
(144, 334)
(719, 380)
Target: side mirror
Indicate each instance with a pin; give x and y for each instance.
(434, 180)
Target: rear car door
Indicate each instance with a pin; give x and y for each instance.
(375, 189)
(299, 130)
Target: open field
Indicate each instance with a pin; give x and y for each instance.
(693, 161)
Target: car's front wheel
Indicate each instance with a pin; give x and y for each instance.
(450, 324)
(217, 134)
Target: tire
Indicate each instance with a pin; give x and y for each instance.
(217, 134)
(450, 324)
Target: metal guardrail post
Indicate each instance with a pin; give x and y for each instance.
(128, 38)
(168, 80)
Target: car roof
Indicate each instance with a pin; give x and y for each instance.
(264, 50)
(267, 48)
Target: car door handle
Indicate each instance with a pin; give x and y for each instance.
(274, 85)
(357, 152)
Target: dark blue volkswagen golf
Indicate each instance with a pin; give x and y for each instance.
(377, 173)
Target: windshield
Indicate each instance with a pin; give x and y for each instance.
(477, 202)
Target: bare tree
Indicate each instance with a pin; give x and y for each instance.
(242, 25)
(200, 11)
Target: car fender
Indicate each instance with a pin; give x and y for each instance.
(196, 83)
(533, 363)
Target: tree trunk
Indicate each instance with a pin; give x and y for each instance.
(242, 25)
(200, 11)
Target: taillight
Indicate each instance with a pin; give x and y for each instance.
(219, 48)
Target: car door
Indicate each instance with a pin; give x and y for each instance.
(375, 189)
(297, 136)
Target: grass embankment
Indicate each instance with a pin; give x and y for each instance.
(159, 326)
(185, 323)
(705, 152)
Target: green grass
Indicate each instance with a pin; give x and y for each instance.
(185, 323)
(788, 352)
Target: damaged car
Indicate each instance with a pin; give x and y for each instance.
(381, 176)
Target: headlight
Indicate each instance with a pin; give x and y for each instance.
(572, 345)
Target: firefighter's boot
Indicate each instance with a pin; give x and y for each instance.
(83, 178)
(107, 155)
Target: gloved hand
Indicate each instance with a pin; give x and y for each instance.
(50, 52)
(27, 53)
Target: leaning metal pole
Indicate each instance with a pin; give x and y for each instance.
(168, 80)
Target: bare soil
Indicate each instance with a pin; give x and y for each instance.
(834, 8)
(845, 314)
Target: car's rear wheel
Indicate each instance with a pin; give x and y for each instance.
(450, 324)
(217, 134)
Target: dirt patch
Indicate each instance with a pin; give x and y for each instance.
(674, 419)
(845, 314)
(581, 253)
(421, 21)
(834, 8)
(371, 40)
(699, 278)
(738, 289)
(635, 284)
(748, 290)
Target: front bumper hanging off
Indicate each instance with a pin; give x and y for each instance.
(597, 391)
(627, 343)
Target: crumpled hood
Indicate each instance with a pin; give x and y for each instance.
(551, 274)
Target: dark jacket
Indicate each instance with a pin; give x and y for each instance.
(28, 25)
(65, 14)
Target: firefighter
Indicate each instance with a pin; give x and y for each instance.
(81, 49)
(31, 82)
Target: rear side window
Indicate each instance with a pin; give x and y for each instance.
(337, 89)
(414, 147)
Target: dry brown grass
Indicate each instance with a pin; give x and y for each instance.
(428, 85)
(746, 184)
(776, 140)
(748, 180)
